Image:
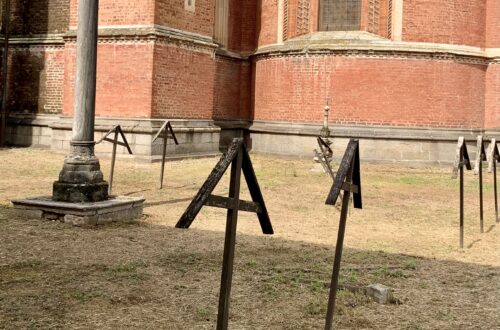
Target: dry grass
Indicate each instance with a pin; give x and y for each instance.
(151, 275)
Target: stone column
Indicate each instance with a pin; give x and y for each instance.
(81, 179)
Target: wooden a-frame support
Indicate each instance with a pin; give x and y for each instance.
(348, 178)
(236, 156)
(461, 159)
(163, 133)
(124, 143)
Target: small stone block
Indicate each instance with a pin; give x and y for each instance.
(380, 293)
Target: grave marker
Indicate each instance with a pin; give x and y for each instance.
(495, 157)
(478, 169)
(461, 160)
(348, 178)
(118, 131)
(165, 128)
(239, 159)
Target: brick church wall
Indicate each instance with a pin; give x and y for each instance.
(459, 22)
(493, 24)
(113, 12)
(173, 14)
(123, 87)
(36, 71)
(371, 91)
(492, 98)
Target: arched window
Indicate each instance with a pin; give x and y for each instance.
(340, 15)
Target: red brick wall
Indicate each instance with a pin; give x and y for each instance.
(267, 22)
(233, 88)
(183, 83)
(35, 80)
(492, 98)
(39, 17)
(242, 25)
(124, 88)
(113, 12)
(460, 22)
(172, 13)
(384, 91)
(493, 24)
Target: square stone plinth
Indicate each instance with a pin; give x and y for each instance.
(115, 209)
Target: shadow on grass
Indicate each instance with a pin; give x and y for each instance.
(172, 201)
(155, 277)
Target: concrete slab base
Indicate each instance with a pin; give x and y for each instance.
(115, 209)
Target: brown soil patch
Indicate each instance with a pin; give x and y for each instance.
(153, 276)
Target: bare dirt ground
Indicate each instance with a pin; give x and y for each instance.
(152, 276)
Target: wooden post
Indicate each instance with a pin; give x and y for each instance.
(163, 132)
(461, 168)
(478, 169)
(338, 257)
(495, 188)
(348, 178)
(118, 131)
(113, 158)
(164, 154)
(227, 264)
(236, 156)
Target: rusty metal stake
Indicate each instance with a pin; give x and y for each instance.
(229, 243)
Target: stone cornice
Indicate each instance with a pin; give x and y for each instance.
(364, 44)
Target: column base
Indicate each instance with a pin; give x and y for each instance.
(80, 193)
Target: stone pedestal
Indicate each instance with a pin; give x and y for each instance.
(115, 209)
(81, 179)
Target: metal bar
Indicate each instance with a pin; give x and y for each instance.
(227, 203)
(461, 169)
(229, 243)
(481, 220)
(164, 154)
(113, 158)
(338, 254)
(3, 111)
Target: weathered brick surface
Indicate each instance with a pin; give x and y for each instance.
(242, 25)
(35, 80)
(39, 16)
(113, 12)
(267, 22)
(493, 24)
(124, 88)
(376, 91)
(492, 98)
(459, 22)
(232, 89)
(172, 13)
(183, 83)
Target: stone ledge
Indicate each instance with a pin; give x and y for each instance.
(373, 132)
(115, 209)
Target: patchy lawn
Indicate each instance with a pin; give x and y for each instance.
(151, 276)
